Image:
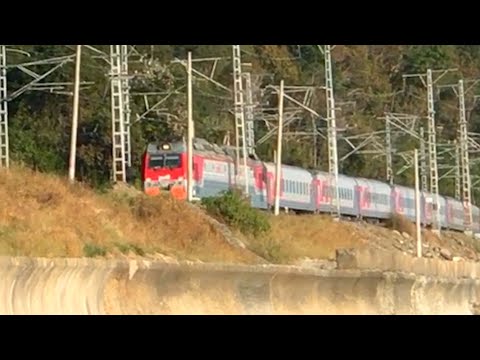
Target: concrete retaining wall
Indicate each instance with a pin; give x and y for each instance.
(87, 286)
(368, 259)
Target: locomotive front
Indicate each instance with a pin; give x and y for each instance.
(163, 167)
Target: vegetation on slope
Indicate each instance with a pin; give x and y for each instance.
(369, 76)
(43, 215)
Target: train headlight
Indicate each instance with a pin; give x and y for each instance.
(166, 146)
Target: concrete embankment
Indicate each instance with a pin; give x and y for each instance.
(362, 284)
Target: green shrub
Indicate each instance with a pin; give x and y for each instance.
(125, 248)
(270, 250)
(92, 250)
(235, 210)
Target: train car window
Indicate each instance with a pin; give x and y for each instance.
(156, 161)
(172, 161)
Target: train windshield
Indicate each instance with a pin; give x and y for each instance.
(156, 161)
(170, 161)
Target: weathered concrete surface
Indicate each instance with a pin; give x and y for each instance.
(364, 259)
(86, 286)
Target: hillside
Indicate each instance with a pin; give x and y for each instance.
(43, 215)
(367, 79)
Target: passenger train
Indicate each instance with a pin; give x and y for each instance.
(164, 166)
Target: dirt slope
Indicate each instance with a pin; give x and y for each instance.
(318, 236)
(43, 215)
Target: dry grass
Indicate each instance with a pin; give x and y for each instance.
(43, 215)
(312, 236)
(402, 225)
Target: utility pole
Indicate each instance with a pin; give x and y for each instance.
(432, 142)
(118, 116)
(278, 164)
(241, 146)
(423, 161)
(249, 114)
(190, 134)
(4, 144)
(388, 141)
(76, 95)
(126, 102)
(432, 151)
(332, 128)
(466, 181)
(458, 172)
(463, 180)
(417, 206)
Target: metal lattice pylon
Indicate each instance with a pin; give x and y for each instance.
(332, 131)
(432, 153)
(126, 102)
(466, 190)
(241, 146)
(4, 146)
(458, 172)
(388, 148)
(249, 114)
(423, 162)
(118, 116)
